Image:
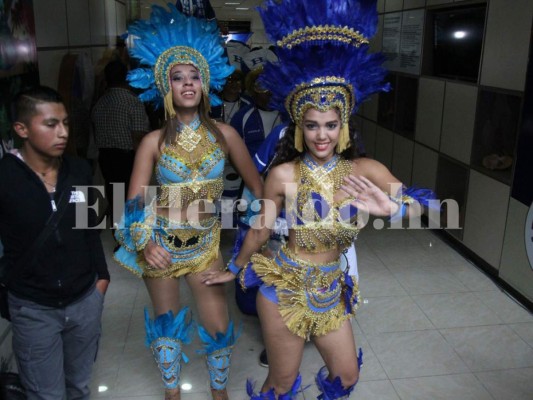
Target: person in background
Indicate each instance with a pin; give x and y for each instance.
(255, 122)
(201, 9)
(232, 96)
(233, 101)
(56, 281)
(120, 122)
(177, 233)
(326, 189)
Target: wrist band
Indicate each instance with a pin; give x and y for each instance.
(233, 268)
(402, 210)
(402, 202)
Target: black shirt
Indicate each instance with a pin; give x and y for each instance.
(71, 259)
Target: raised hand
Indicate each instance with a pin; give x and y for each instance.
(368, 197)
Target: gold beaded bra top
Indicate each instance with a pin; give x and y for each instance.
(190, 168)
(321, 224)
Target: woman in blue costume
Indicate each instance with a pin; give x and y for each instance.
(177, 232)
(325, 189)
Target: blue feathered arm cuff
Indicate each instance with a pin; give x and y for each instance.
(410, 195)
(180, 327)
(220, 341)
(133, 232)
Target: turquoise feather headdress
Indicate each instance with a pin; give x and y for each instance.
(169, 38)
(324, 63)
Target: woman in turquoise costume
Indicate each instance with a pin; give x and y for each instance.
(325, 189)
(177, 232)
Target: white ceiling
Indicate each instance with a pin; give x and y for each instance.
(223, 10)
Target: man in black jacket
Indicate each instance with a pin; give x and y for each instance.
(56, 291)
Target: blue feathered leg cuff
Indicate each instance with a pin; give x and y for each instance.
(271, 395)
(218, 351)
(165, 336)
(332, 390)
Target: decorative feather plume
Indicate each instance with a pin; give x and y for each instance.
(322, 45)
(301, 65)
(166, 325)
(271, 395)
(220, 341)
(170, 29)
(423, 196)
(334, 389)
(282, 19)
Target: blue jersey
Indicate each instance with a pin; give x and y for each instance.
(265, 153)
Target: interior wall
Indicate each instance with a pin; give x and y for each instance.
(453, 121)
(75, 27)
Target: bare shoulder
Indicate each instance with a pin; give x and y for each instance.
(152, 137)
(283, 172)
(368, 167)
(150, 142)
(227, 131)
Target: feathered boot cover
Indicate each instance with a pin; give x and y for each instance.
(165, 337)
(331, 390)
(218, 351)
(271, 395)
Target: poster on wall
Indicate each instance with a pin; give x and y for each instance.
(411, 41)
(402, 40)
(18, 58)
(392, 24)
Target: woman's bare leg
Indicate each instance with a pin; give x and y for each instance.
(284, 349)
(214, 317)
(338, 351)
(210, 301)
(164, 294)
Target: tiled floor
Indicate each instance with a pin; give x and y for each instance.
(432, 326)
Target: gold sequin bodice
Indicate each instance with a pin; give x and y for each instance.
(190, 168)
(321, 224)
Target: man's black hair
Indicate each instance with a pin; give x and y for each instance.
(23, 106)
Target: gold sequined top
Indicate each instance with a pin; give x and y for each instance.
(190, 168)
(321, 224)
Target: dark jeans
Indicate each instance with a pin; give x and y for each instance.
(55, 348)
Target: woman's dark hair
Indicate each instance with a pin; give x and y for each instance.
(286, 152)
(23, 106)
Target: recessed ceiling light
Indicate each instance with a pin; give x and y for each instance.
(186, 386)
(232, 4)
(242, 8)
(102, 389)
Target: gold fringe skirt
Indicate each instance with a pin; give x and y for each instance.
(192, 248)
(313, 299)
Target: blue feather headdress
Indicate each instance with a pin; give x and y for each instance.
(169, 38)
(324, 61)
